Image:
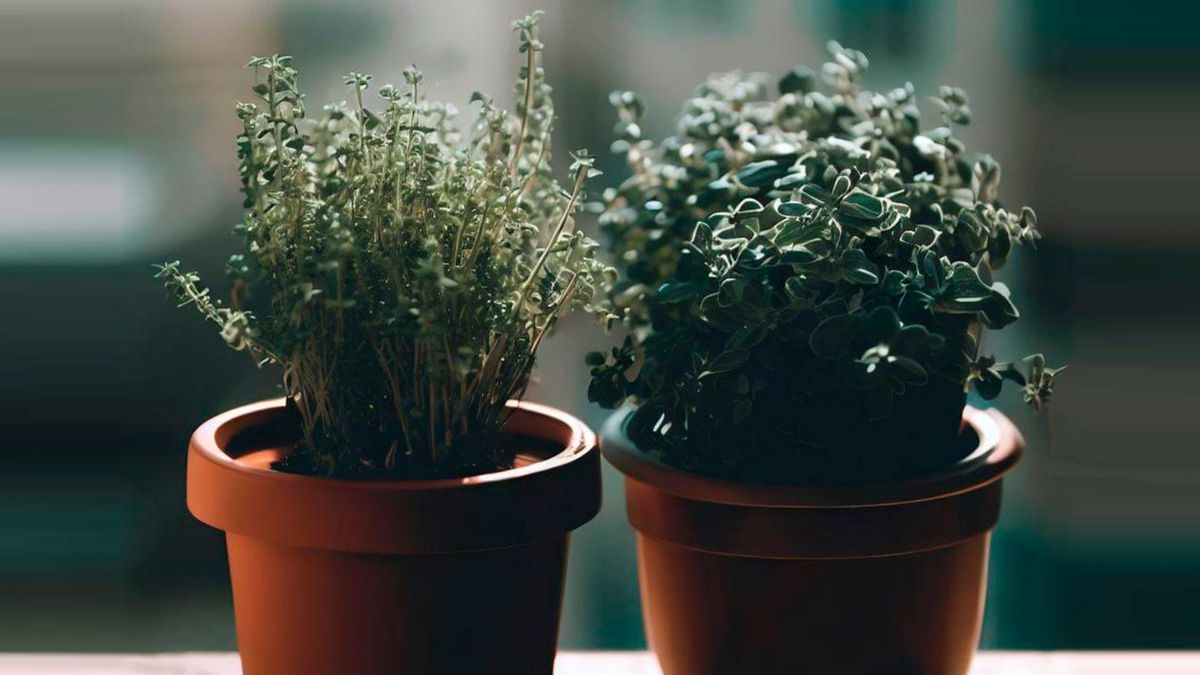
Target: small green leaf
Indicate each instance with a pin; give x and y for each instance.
(747, 337)
(812, 193)
(1000, 311)
(793, 231)
(914, 372)
(679, 291)
(999, 248)
(880, 324)
(989, 384)
(893, 282)
(964, 292)
(799, 80)
(793, 208)
(761, 174)
(971, 231)
(911, 339)
(726, 361)
(858, 269)
(862, 205)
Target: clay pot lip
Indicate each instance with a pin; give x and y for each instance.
(210, 439)
(1000, 448)
(546, 498)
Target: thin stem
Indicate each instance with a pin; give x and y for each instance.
(530, 74)
(580, 178)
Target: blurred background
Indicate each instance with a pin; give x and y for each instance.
(116, 151)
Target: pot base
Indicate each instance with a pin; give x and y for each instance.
(909, 614)
(312, 612)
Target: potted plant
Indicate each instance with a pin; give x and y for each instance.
(399, 509)
(806, 277)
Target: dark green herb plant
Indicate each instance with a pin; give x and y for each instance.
(807, 275)
(402, 272)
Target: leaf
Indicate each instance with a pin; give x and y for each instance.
(989, 384)
(893, 282)
(372, 120)
(915, 373)
(880, 324)
(761, 174)
(605, 392)
(726, 361)
(731, 291)
(798, 256)
(971, 231)
(1010, 372)
(1034, 364)
(857, 269)
(964, 292)
(643, 420)
(793, 231)
(790, 181)
(747, 337)
(792, 209)
(999, 248)
(1053, 372)
(812, 193)
(929, 266)
(723, 318)
(748, 208)
(679, 291)
(692, 267)
(911, 339)
(795, 287)
(841, 185)
(799, 80)
(924, 235)
(862, 205)
(1000, 311)
(914, 306)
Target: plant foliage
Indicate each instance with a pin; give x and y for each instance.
(401, 272)
(807, 275)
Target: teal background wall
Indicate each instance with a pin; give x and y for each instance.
(116, 151)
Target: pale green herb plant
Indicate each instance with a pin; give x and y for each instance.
(401, 271)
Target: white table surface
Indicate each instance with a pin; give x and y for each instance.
(610, 663)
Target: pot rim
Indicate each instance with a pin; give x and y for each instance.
(215, 433)
(1000, 448)
(544, 498)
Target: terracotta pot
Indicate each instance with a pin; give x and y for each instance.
(381, 578)
(790, 579)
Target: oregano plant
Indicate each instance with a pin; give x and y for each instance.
(401, 271)
(807, 275)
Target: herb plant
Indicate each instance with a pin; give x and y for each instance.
(807, 276)
(401, 272)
